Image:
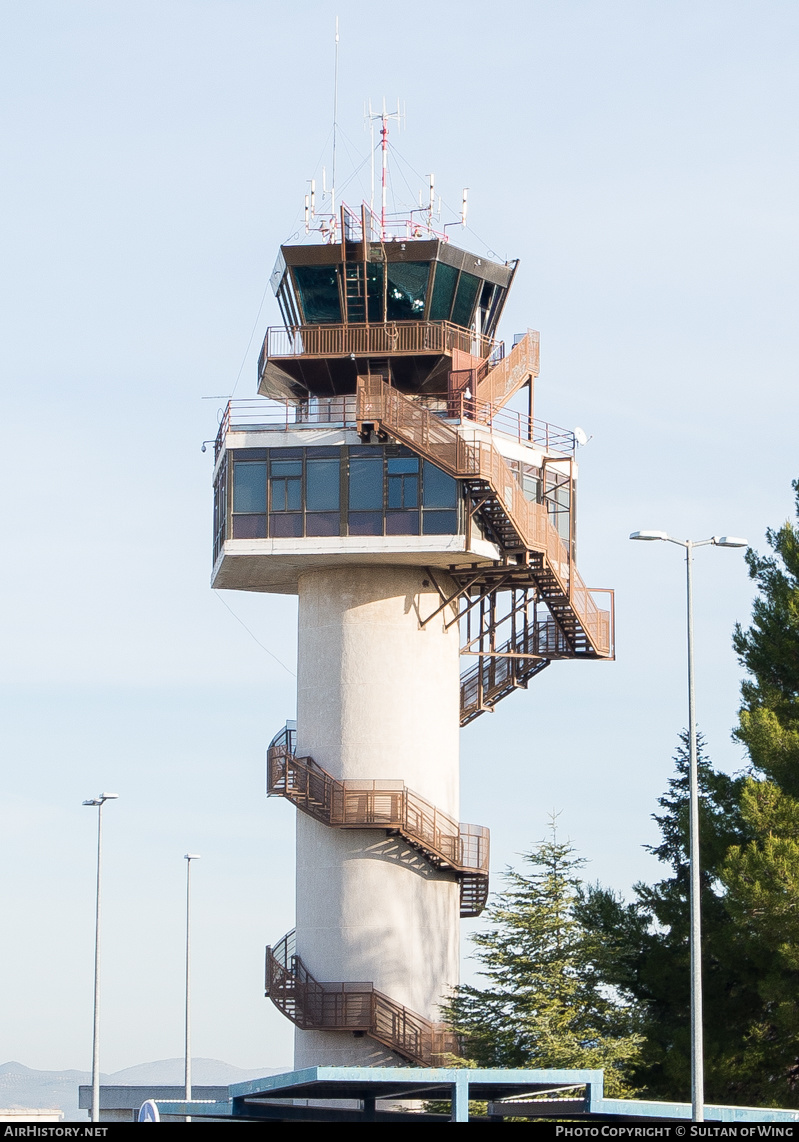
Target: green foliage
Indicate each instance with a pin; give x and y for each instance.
(761, 874)
(545, 1004)
(646, 953)
(749, 842)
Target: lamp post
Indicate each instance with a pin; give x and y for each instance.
(99, 802)
(189, 857)
(697, 1053)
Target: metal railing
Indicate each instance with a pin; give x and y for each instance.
(365, 804)
(510, 666)
(439, 442)
(365, 340)
(497, 378)
(517, 425)
(260, 414)
(256, 414)
(311, 1005)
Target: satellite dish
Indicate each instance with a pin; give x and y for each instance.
(580, 436)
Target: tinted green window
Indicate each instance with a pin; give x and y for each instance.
(405, 294)
(443, 290)
(366, 484)
(440, 490)
(465, 299)
(318, 290)
(321, 485)
(249, 487)
(374, 290)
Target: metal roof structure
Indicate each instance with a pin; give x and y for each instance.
(519, 1093)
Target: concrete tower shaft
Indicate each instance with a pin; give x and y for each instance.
(377, 697)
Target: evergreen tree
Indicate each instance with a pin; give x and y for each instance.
(761, 875)
(646, 952)
(769, 651)
(545, 1004)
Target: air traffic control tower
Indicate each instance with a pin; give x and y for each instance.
(381, 478)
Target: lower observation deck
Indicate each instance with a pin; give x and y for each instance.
(481, 500)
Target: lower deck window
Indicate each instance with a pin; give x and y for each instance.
(288, 493)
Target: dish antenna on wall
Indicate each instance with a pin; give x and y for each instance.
(580, 437)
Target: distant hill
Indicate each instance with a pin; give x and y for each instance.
(22, 1086)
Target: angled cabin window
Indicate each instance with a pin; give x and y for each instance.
(464, 300)
(374, 290)
(318, 291)
(490, 297)
(406, 288)
(443, 292)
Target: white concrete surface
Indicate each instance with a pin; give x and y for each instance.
(378, 697)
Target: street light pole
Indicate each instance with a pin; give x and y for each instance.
(695, 886)
(99, 802)
(697, 1030)
(189, 857)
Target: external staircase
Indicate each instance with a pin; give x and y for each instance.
(388, 805)
(356, 1007)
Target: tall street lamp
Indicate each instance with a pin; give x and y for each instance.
(99, 802)
(697, 1055)
(188, 857)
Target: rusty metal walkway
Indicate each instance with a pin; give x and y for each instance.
(359, 1007)
(388, 805)
(521, 527)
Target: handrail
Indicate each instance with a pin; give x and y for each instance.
(439, 442)
(364, 804)
(509, 422)
(362, 339)
(311, 1005)
(260, 414)
(508, 375)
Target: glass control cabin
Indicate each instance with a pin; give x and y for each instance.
(396, 307)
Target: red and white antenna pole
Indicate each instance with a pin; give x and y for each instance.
(384, 148)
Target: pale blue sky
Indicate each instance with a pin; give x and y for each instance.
(640, 159)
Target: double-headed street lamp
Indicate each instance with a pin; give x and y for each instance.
(697, 1056)
(98, 802)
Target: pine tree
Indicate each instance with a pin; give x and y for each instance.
(761, 875)
(645, 944)
(545, 1004)
(769, 651)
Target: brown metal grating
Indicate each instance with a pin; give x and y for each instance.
(447, 844)
(520, 525)
(315, 1006)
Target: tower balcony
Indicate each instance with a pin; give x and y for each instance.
(325, 360)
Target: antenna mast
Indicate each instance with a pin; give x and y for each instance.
(335, 124)
(384, 117)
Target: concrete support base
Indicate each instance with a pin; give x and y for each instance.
(378, 699)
